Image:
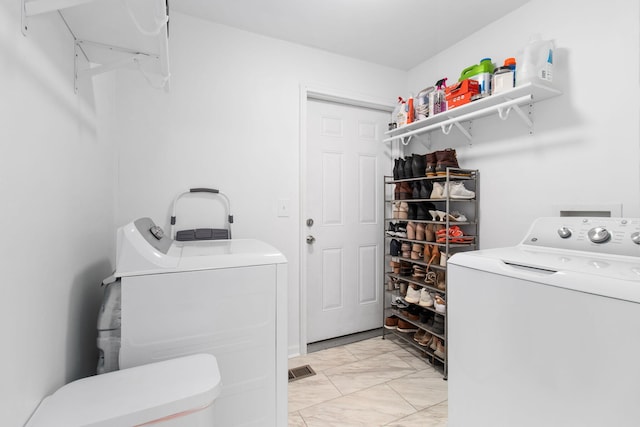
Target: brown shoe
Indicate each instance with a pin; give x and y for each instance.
(411, 230)
(426, 252)
(440, 350)
(405, 192)
(431, 164)
(440, 281)
(426, 339)
(419, 335)
(391, 322)
(435, 256)
(447, 159)
(420, 227)
(430, 233)
(404, 326)
(434, 343)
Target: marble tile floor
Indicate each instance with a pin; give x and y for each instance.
(374, 382)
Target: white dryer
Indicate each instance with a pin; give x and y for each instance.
(546, 333)
(223, 297)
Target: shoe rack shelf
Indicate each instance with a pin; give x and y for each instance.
(501, 104)
(397, 282)
(437, 361)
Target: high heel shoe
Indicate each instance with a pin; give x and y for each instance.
(457, 216)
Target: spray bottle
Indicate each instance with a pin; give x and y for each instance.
(396, 113)
(401, 118)
(437, 101)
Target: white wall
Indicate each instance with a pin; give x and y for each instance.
(584, 149)
(56, 183)
(231, 121)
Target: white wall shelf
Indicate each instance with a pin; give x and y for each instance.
(501, 104)
(111, 34)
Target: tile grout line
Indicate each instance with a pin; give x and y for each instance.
(351, 351)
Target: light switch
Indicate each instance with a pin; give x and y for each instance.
(283, 207)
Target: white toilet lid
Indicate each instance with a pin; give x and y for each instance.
(133, 396)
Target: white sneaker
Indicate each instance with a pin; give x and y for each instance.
(425, 299)
(456, 190)
(436, 193)
(413, 295)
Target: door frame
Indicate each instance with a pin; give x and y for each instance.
(319, 93)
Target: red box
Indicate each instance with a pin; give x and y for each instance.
(461, 92)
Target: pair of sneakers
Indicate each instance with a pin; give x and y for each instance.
(452, 189)
(398, 229)
(420, 296)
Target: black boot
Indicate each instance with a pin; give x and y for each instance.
(416, 189)
(426, 187)
(408, 171)
(418, 165)
(413, 211)
(401, 169)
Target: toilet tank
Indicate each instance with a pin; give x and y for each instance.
(176, 392)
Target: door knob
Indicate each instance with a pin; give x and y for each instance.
(310, 239)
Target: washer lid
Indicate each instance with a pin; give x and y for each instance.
(140, 252)
(143, 394)
(607, 275)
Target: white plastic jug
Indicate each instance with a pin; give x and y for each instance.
(536, 62)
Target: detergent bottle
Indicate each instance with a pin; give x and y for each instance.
(536, 63)
(481, 72)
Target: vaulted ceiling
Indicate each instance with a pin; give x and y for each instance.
(395, 33)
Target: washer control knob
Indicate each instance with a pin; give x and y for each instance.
(564, 232)
(599, 235)
(635, 237)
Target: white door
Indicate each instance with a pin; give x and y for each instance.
(346, 162)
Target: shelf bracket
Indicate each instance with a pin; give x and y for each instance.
(131, 61)
(463, 130)
(406, 140)
(522, 115)
(503, 113)
(446, 129)
(426, 144)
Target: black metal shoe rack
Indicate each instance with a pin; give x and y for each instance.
(470, 228)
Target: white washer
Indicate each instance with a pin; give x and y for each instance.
(222, 297)
(547, 332)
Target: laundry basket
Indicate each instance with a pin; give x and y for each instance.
(202, 233)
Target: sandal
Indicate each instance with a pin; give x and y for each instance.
(431, 279)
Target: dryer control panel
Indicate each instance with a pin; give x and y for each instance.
(615, 236)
